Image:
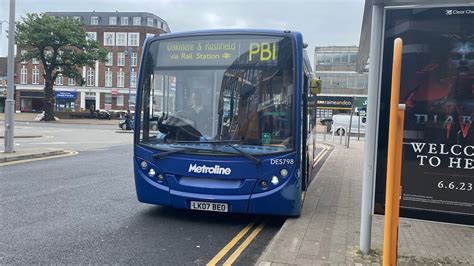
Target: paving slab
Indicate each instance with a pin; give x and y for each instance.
(327, 232)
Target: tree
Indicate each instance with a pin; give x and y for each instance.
(62, 46)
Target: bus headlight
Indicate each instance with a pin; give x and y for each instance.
(274, 180)
(151, 172)
(263, 184)
(143, 164)
(160, 178)
(284, 172)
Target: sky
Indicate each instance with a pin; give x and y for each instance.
(322, 22)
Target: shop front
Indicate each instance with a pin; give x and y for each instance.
(65, 100)
(31, 101)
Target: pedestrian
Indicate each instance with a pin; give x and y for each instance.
(128, 124)
(91, 109)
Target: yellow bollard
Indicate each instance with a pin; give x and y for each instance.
(396, 183)
(391, 156)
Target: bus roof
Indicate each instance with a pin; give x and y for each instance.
(229, 31)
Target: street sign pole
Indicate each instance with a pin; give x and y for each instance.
(350, 123)
(10, 102)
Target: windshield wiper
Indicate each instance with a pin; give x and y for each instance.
(166, 153)
(228, 143)
(245, 154)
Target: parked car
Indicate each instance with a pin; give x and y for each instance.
(102, 114)
(341, 123)
(123, 125)
(326, 121)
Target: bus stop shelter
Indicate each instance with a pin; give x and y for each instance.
(370, 52)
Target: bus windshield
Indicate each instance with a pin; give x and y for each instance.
(215, 93)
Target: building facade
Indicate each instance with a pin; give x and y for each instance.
(3, 83)
(109, 85)
(336, 67)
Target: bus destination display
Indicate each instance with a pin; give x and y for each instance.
(174, 53)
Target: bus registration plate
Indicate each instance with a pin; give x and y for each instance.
(209, 206)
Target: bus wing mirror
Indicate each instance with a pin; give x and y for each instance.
(315, 86)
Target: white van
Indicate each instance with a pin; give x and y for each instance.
(340, 123)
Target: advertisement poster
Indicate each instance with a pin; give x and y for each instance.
(437, 87)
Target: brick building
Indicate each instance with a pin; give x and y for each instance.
(109, 85)
(3, 83)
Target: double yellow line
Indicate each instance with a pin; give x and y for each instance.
(257, 227)
(225, 250)
(321, 155)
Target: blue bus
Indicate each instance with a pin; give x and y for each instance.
(221, 121)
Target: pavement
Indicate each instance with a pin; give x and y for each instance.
(30, 117)
(26, 154)
(327, 232)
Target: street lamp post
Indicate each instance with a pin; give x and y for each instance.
(10, 102)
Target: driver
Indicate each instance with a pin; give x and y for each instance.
(196, 102)
(198, 112)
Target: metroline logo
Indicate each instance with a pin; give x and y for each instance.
(215, 170)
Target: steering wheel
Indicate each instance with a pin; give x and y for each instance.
(175, 126)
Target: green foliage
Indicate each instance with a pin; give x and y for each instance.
(59, 43)
(62, 46)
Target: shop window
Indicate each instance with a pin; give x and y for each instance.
(108, 98)
(120, 100)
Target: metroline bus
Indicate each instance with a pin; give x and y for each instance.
(221, 121)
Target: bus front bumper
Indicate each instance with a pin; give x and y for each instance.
(284, 200)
